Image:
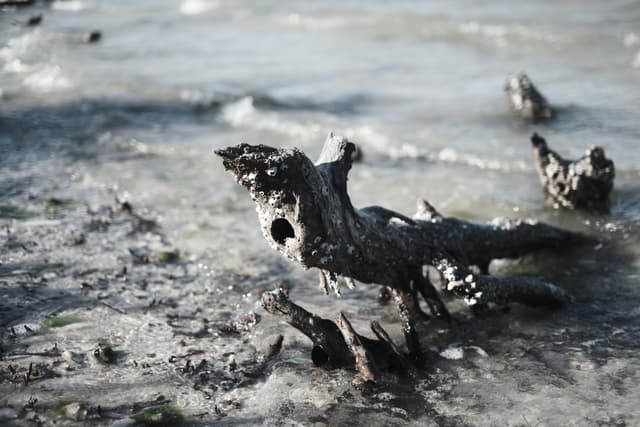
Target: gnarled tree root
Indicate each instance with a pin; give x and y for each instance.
(305, 213)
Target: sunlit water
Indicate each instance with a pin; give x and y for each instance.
(419, 86)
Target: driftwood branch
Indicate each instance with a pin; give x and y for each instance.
(329, 344)
(525, 101)
(585, 183)
(364, 361)
(305, 213)
(337, 344)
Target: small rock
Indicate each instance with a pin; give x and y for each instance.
(105, 354)
(34, 20)
(93, 37)
(75, 411)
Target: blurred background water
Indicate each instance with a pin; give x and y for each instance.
(418, 85)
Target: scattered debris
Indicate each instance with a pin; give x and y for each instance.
(93, 37)
(27, 374)
(34, 20)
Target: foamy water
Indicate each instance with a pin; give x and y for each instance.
(419, 87)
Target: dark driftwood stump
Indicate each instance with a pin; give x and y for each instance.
(306, 214)
(581, 184)
(525, 101)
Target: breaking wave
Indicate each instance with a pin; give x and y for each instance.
(197, 7)
(430, 27)
(70, 5)
(39, 77)
(368, 137)
(243, 113)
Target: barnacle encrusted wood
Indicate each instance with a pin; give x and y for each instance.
(584, 183)
(306, 214)
(525, 101)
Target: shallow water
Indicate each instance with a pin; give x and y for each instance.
(418, 85)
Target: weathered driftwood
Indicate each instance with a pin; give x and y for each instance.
(306, 214)
(525, 101)
(337, 344)
(584, 183)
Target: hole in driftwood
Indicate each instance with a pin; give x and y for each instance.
(318, 356)
(281, 230)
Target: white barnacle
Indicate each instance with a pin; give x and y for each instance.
(469, 278)
(453, 284)
(471, 301)
(272, 171)
(478, 295)
(450, 273)
(332, 281)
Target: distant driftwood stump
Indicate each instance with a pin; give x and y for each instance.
(581, 184)
(525, 101)
(306, 214)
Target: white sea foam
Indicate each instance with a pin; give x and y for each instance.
(243, 113)
(15, 65)
(453, 353)
(631, 40)
(69, 5)
(196, 7)
(321, 23)
(42, 77)
(636, 61)
(47, 78)
(397, 149)
(19, 46)
(505, 32)
(449, 155)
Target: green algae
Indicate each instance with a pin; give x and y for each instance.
(61, 321)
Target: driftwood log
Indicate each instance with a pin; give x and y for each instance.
(525, 101)
(306, 214)
(585, 183)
